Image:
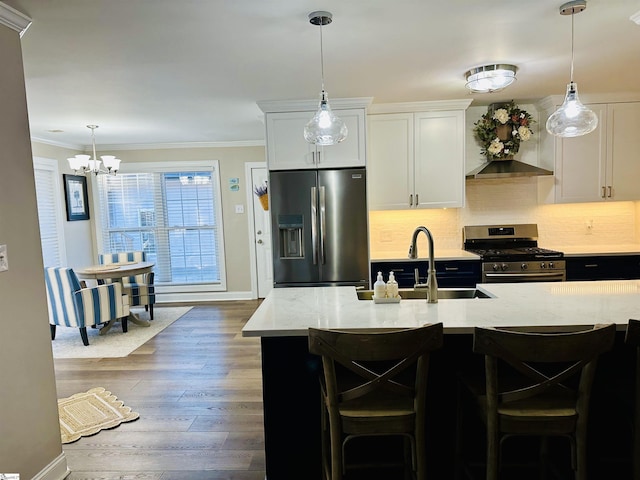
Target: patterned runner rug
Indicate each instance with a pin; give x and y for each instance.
(87, 413)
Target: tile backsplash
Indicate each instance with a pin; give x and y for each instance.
(506, 201)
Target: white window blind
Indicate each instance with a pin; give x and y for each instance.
(174, 216)
(50, 208)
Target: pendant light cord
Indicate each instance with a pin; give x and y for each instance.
(321, 57)
(572, 54)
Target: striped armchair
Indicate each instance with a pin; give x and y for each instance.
(140, 288)
(70, 305)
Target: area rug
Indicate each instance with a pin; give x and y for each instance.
(85, 414)
(115, 343)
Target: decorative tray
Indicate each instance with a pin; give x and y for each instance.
(387, 299)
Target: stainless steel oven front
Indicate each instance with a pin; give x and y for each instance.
(524, 271)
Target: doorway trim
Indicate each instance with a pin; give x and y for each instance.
(248, 166)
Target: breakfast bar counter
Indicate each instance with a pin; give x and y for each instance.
(290, 373)
(538, 306)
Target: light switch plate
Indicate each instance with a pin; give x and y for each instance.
(4, 261)
(239, 208)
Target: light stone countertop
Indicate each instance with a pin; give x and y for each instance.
(606, 250)
(291, 311)
(439, 254)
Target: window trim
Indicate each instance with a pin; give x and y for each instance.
(51, 165)
(173, 293)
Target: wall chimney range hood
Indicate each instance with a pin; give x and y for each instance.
(507, 169)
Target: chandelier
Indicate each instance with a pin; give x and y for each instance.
(85, 164)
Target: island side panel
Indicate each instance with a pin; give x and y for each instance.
(291, 396)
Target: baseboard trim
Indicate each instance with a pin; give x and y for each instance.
(56, 470)
(194, 297)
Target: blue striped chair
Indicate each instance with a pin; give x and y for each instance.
(140, 288)
(70, 305)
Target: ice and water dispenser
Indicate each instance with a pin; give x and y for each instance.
(290, 232)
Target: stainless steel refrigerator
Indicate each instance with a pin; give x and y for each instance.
(319, 227)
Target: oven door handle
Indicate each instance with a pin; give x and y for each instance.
(526, 276)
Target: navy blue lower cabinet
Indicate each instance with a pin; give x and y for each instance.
(603, 267)
(450, 273)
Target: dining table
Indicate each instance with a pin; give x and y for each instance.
(116, 272)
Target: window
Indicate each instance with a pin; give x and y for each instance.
(173, 215)
(50, 208)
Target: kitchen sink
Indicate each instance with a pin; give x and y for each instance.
(421, 294)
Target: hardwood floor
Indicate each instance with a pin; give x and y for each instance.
(197, 386)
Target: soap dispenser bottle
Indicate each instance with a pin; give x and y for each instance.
(379, 287)
(392, 286)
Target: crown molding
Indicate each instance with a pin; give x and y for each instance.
(408, 107)
(168, 146)
(281, 106)
(14, 19)
(152, 146)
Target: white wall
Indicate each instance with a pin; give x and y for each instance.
(29, 429)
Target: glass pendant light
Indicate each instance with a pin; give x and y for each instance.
(325, 128)
(572, 119)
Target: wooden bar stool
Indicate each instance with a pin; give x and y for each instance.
(632, 338)
(373, 384)
(535, 384)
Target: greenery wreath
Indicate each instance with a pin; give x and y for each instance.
(502, 128)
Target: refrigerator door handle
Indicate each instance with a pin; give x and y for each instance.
(323, 223)
(314, 225)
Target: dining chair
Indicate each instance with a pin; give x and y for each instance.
(373, 384)
(71, 305)
(632, 338)
(535, 384)
(140, 288)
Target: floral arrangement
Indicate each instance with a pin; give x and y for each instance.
(501, 130)
(260, 190)
(261, 193)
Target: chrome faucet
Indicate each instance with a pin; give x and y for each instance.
(432, 283)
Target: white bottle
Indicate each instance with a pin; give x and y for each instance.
(392, 286)
(379, 288)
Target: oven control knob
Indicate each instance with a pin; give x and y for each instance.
(550, 264)
(543, 265)
(504, 266)
(524, 266)
(495, 267)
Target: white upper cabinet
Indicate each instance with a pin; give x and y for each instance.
(416, 160)
(602, 165)
(287, 149)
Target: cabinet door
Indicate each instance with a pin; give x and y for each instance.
(390, 161)
(351, 151)
(623, 122)
(286, 146)
(288, 150)
(439, 159)
(581, 164)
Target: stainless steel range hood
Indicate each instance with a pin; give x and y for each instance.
(507, 169)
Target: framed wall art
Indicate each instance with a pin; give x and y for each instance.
(76, 198)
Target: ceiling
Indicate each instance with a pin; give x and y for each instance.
(154, 72)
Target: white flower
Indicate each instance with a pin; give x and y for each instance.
(501, 115)
(495, 147)
(525, 133)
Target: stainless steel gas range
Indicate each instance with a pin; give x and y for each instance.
(510, 254)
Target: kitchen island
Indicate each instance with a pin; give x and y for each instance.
(290, 385)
